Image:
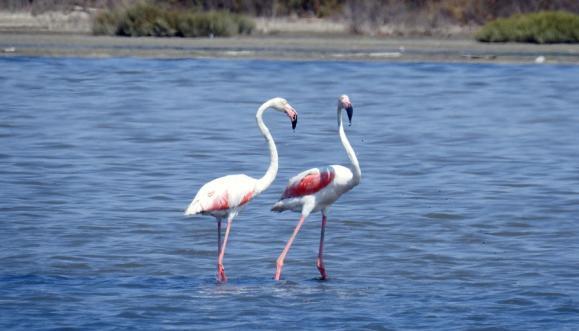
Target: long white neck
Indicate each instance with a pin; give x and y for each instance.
(264, 182)
(349, 150)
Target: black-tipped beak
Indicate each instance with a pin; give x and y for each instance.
(350, 112)
(292, 114)
(294, 121)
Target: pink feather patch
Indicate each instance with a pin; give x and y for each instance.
(246, 198)
(309, 184)
(220, 202)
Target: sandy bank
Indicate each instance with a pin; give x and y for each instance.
(285, 47)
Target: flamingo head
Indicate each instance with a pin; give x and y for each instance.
(344, 103)
(281, 104)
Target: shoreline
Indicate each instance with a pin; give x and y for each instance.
(57, 34)
(325, 47)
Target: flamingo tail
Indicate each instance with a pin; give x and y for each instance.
(278, 207)
(194, 208)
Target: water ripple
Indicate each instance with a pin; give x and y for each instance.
(465, 217)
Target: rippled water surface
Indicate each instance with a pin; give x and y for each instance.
(466, 217)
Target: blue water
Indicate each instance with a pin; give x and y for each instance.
(466, 217)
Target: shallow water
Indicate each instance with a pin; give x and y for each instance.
(466, 217)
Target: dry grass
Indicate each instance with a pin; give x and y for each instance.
(77, 21)
(295, 25)
(438, 18)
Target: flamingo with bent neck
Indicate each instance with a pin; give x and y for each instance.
(317, 188)
(225, 196)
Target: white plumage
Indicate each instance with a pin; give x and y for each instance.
(342, 182)
(223, 191)
(225, 196)
(317, 188)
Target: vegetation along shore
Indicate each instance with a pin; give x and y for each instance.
(445, 30)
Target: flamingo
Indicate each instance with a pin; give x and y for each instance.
(225, 196)
(317, 188)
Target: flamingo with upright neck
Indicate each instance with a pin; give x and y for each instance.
(317, 188)
(225, 196)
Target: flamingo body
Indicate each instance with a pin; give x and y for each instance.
(223, 197)
(308, 182)
(317, 188)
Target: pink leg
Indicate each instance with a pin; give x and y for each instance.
(220, 270)
(320, 261)
(221, 278)
(281, 258)
(218, 237)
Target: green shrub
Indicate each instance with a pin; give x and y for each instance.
(245, 25)
(144, 20)
(541, 28)
(105, 23)
(213, 23)
(148, 20)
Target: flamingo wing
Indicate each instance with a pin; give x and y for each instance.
(217, 200)
(223, 193)
(309, 182)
